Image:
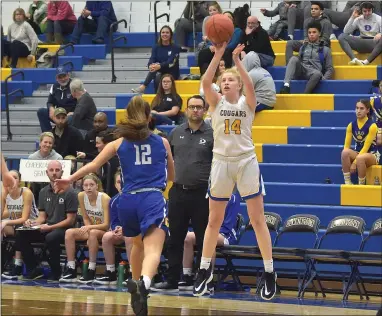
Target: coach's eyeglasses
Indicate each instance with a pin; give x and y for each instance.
(195, 107)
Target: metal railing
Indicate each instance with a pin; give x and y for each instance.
(157, 17)
(55, 64)
(111, 42)
(7, 95)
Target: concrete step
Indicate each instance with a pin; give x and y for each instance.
(15, 154)
(21, 146)
(102, 87)
(104, 73)
(133, 60)
(20, 115)
(20, 138)
(18, 127)
(37, 102)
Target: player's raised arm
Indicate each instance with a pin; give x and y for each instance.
(211, 95)
(247, 81)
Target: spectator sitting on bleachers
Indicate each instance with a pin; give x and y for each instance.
(113, 238)
(206, 54)
(85, 109)
(60, 21)
(215, 84)
(227, 236)
(21, 41)
(17, 207)
(369, 25)
(376, 105)
(97, 16)
(340, 19)
(364, 132)
(314, 62)
(316, 14)
(36, 16)
(213, 9)
(256, 39)
(89, 150)
(68, 140)
(167, 103)
(277, 28)
(106, 173)
(164, 59)
(295, 16)
(59, 96)
(94, 208)
(265, 88)
(185, 25)
(57, 212)
(46, 151)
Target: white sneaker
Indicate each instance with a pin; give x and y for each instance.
(354, 61)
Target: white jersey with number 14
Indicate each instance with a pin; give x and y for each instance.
(232, 125)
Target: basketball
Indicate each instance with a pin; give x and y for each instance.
(219, 28)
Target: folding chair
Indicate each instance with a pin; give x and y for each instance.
(372, 243)
(299, 232)
(333, 252)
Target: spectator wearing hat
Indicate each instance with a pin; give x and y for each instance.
(68, 140)
(85, 109)
(59, 96)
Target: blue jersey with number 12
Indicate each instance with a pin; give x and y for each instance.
(143, 164)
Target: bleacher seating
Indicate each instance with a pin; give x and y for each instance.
(298, 145)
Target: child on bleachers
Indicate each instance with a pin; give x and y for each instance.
(369, 25)
(364, 155)
(164, 59)
(113, 238)
(167, 102)
(376, 105)
(94, 208)
(18, 206)
(314, 62)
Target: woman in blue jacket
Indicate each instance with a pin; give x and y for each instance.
(206, 55)
(164, 60)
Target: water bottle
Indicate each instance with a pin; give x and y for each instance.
(85, 265)
(121, 272)
(376, 181)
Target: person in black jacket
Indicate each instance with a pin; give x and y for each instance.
(256, 39)
(68, 140)
(89, 150)
(59, 96)
(85, 110)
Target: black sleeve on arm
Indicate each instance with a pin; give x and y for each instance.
(71, 202)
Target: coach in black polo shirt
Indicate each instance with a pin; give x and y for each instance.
(191, 145)
(57, 212)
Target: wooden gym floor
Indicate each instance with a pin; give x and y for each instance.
(42, 298)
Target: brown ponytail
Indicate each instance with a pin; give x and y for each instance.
(135, 126)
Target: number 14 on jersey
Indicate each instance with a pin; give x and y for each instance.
(232, 127)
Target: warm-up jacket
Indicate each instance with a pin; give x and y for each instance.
(61, 97)
(310, 58)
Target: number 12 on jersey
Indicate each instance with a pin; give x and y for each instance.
(234, 127)
(142, 154)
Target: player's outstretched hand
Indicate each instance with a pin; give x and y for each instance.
(61, 185)
(237, 51)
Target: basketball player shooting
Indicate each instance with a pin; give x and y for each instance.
(234, 163)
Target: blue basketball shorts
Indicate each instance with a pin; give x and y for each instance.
(139, 211)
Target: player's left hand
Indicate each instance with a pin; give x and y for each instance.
(237, 51)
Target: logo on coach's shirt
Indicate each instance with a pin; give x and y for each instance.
(61, 201)
(202, 141)
(48, 199)
(181, 137)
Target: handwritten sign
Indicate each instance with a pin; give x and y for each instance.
(35, 170)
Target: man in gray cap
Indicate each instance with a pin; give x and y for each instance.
(59, 96)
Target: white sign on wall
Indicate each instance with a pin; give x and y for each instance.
(35, 170)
